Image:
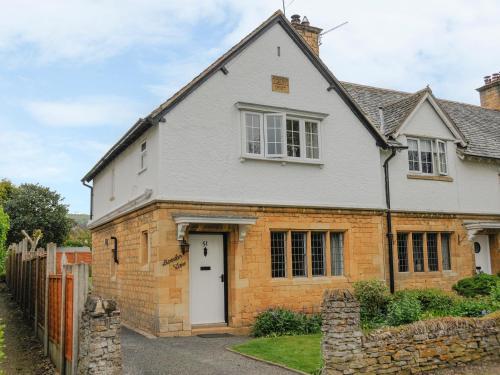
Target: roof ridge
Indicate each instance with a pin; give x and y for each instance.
(411, 96)
(376, 88)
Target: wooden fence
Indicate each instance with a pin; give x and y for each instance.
(51, 293)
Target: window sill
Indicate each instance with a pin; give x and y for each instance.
(142, 170)
(429, 177)
(283, 161)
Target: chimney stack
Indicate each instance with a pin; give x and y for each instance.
(308, 32)
(490, 92)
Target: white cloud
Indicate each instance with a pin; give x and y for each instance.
(29, 158)
(84, 112)
(81, 30)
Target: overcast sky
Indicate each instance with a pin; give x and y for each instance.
(76, 74)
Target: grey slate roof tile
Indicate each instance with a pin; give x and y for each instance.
(480, 126)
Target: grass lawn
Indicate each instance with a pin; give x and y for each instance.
(298, 352)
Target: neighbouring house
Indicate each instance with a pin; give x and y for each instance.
(265, 180)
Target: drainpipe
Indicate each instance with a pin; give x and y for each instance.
(91, 198)
(389, 219)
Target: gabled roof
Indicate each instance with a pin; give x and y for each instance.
(394, 114)
(480, 127)
(156, 115)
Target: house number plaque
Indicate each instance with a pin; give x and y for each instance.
(280, 84)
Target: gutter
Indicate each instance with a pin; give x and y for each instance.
(91, 197)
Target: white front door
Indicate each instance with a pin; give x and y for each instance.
(206, 271)
(482, 253)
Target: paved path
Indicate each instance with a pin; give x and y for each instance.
(188, 355)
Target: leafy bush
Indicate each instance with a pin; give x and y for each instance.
(472, 307)
(404, 309)
(495, 296)
(480, 284)
(374, 298)
(434, 302)
(281, 322)
(4, 228)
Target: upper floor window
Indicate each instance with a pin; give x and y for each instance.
(144, 153)
(276, 135)
(427, 156)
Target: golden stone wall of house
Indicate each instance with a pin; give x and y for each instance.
(462, 255)
(155, 297)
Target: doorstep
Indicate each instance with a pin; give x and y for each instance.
(206, 329)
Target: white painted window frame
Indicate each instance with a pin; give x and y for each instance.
(244, 134)
(418, 155)
(435, 156)
(445, 156)
(143, 156)
(283, 156)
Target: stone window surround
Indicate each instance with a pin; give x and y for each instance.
(310, 279)
(426, 272)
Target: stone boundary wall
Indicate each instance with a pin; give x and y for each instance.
(418, 347)
(100, 348)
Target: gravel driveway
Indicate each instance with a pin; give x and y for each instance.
(188, 355)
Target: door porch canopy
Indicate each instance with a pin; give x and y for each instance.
(183, 222)
(481, 227)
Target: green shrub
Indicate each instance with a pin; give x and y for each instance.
(495, 296)
(404, 309)
(281, 322)
(374, 298)
(434, 302)
(4, 228)
(472, 307)
(480, 284)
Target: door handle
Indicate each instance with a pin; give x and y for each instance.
(222, 278)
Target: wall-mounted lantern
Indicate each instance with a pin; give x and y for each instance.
(115, 249)
(184, 246)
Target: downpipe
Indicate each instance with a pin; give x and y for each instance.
(389, 219)
(91, 198)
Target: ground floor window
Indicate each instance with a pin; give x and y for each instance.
(337, 253)
(278, 254)
(318, 254)
(423, 246)
(303, 258)
(299, 254)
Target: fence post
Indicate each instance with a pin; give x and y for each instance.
(35, 302)
(62, 322)
(50, 266)
(80, 291)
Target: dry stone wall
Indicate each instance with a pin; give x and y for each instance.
(100, 348)
(419, 347)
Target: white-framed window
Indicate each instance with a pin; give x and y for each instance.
(443, 161)
(413, 155)
(312, 139)
(274, 125)
(427, 156)
(144, 154)
(253, 133)
(278, 136)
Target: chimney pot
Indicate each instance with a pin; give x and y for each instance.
(296, 18)
(487, 79)
(305, 21)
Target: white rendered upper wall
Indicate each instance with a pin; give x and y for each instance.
(201, 138)
(475, 186)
